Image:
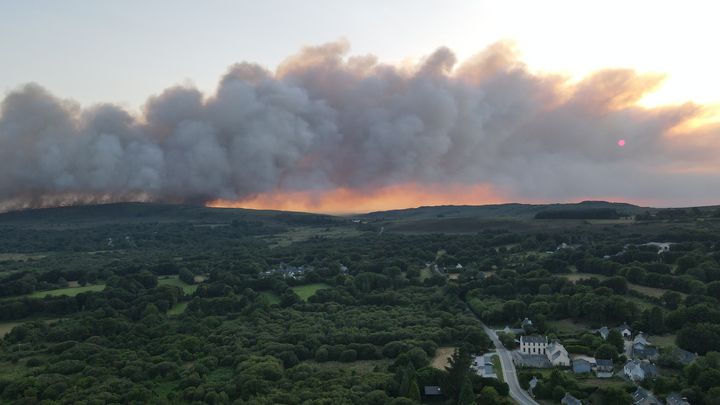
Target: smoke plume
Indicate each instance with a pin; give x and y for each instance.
(325, 121)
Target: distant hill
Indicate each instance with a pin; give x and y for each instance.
(511, 210)
(152, 212)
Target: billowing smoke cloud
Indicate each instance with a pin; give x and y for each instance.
(325, 121)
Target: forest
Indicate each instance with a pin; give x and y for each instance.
(157, 304)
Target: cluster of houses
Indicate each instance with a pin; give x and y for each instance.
(641, 354)
(641, 396)
(286, 271)
(539, 352)
(293, 272)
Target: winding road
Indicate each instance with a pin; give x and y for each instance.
(508, 369)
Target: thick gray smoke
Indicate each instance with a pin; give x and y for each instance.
(324, 120)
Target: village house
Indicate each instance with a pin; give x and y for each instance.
(680, 356)
(514, 331)
(675, 398)
(570, 400)
(432, 391)
(638, 370)
(557, 354)
(603, 332)
(625, 331)
(641, 396)
(643, 349)
(533, 345)
(581, 366)
(605, 368)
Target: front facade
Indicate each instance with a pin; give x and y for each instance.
(605, 368)
(581, 366)
(533, 345)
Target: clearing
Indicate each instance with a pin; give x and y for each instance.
(305, 233)
(178, 309)
(269, 297)
(568, 327)
(175, 281)
(442, 357)
(308, 290)
(70, 291)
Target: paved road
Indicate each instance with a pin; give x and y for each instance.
(509, 372)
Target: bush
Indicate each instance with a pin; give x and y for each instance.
(348, 356)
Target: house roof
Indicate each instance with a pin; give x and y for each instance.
(581, 366)
(682, 356)
(649, 368)
(556, 348)
(645, 397)
(533, 339)
(641, 339)
(675, 398)
(570, 400)
(605, 363)
(623, 327)
(646, 351)
(432, 390)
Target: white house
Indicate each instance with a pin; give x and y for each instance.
(557, 354)
(625, 331)
(533, 345)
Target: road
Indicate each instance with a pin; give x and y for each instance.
(509, 372)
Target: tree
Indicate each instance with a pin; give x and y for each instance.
(186, 276)
(656, 321)
(613, 396)
(458, 370)
(467, 397)
(616, 340)
(490, 396)
(606, 351)
(672, 299)
(414, 391)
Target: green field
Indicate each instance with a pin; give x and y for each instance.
(425, 273)
(294, 235)
(568, 327)
(178, 309)
(308, 290)
(663, 341)
(7, 327)
(70, 292)
(175, 281)
(360, 366)
(649, 291)
(270, 297)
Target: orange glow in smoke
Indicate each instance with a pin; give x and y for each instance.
(348, 201)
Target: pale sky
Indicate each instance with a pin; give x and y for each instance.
(124, 51)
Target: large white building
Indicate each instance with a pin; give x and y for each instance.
(533, 345)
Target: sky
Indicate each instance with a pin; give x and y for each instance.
(125, 52)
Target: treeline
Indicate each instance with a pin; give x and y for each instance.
(587, 213)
